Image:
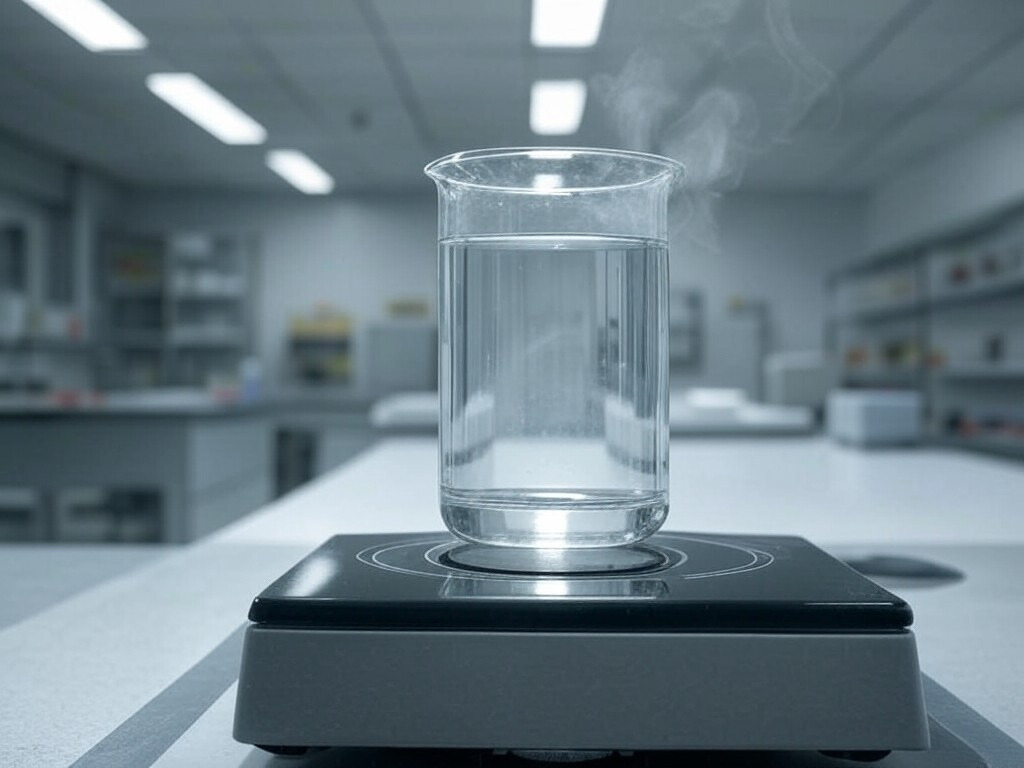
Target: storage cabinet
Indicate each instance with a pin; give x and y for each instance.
(179, 309)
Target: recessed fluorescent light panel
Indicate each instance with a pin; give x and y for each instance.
(551, 154)
(566, 23)
(298, 170)
(206, 108)
(556, 106)
(92, 23)
(547, 181)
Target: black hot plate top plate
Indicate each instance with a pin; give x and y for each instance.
(696, 582)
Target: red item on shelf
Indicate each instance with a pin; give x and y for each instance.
(74, 328)
(959, 273)
(968, 428)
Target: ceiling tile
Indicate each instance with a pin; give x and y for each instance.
(928, 133)
(313, 74)
(941, 42)
(456, 21)
(994, 89)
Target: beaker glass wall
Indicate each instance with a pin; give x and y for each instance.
(553, 314)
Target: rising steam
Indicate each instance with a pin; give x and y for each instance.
(637, 99)
(720, 82)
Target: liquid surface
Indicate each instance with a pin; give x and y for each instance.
(553, 364)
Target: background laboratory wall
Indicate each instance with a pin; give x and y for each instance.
(358, 253)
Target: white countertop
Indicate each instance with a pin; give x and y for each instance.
(417, 413)
(78, 670)
(803, 486)
(36, 576)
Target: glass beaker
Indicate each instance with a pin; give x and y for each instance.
(553, 345)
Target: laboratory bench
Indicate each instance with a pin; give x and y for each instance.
(197, 466)
(38, 576)
(137, 667)
(316, 431)
(202, 462)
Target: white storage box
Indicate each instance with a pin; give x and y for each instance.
(874, 417)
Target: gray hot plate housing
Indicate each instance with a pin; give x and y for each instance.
(720, 643)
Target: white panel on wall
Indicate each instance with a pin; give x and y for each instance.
(775, 248)
(981, 176)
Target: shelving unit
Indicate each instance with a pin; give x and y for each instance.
(946, 319)
(42, 340)
(178, 308)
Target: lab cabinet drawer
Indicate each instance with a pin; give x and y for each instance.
(22, 515)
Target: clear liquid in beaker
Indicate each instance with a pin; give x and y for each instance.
(554, 427)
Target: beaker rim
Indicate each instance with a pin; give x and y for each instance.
(647, 168)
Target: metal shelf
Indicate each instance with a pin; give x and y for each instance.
(966, 295)
(1009, 447)
(876, 375)
(881, 314)
(44, 345)
(137, 339)
(989, 371)
(208, 343)
(140, 291)
(201, 338)
(943, 300)
(209, 295)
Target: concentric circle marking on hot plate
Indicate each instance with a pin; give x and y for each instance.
(524, 561)
(426, 557)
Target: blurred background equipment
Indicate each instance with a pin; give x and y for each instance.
(320, 346)
(868, 417)
(176, 309)
(685, 330)
(251, 239)
(801, 378)
(402, 350)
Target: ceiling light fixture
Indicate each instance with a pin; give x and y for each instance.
(92, 23)
(206, 108)
(556, 106)
(566, 23)
(551, 154)
(545, 181)
(300, 171)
